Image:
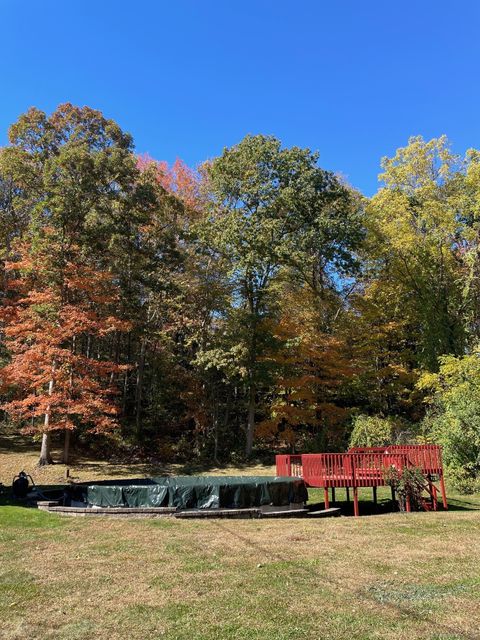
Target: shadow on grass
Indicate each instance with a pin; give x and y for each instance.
(119, 469)
(369, 508)
(454, 504)
(14, 443)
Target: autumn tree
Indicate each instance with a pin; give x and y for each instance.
(416, 244)
(304, 407)
(168, 306)
(56, 303)
(74, 173)
(271, 208)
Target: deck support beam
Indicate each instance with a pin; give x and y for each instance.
(375, 501)
(444, 493)
(356, 510)
(408, 506)
(325, 495)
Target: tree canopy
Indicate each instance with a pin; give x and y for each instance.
(257, 303)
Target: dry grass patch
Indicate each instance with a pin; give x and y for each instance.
(383, 577)
(393, 576)
(20, 453)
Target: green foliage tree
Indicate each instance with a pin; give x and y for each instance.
(454, 417)
(272, 209)
(371, 431)
(414, 244)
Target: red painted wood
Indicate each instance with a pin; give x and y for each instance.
(356, 510)
(363, 467)
(444, 493)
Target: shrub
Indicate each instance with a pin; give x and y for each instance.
(409, 483)
(371, 431)
(454, 417)
(377, 431)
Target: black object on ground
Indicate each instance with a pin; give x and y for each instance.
(21, 485)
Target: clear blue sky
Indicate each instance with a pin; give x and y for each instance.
(353, 78)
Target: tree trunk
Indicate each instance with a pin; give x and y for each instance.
(66, 447)
(138, 391)
(250, 421)
(45, 456)
(215, 431)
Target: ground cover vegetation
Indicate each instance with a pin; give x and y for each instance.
(390, 576)
(255, 304)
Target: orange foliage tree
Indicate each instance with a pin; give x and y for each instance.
(178, 179)
(312, 367)
(56, 316)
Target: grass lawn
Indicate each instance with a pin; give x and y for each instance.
(387, 576)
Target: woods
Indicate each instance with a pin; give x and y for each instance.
(257, 303)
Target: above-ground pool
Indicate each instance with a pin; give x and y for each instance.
(189, 492)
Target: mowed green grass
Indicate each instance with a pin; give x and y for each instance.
(386, 576)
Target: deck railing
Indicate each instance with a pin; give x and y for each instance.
(344, 469)
(362, 467)
(427, 457)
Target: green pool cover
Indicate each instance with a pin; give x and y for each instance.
(193, 492)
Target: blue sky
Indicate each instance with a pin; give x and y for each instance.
(352, 79)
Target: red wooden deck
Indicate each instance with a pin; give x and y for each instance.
(364, 467)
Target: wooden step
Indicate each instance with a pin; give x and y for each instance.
(218, 513)
(325, 513)
(285, 513)
(113, 512)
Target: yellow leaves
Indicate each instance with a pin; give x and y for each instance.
(419, 165)
(428, 381)
(415, 216)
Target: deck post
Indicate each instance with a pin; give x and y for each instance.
(408, 506)
(430, 491)
(325, 494)
(444, 493)
(374, 489)
(356, 511)
(348, 494)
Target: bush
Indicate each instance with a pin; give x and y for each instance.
(454, 417)
(371, 431)
(409, 483)
(377, 431)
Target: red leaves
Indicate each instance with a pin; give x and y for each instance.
(50, 320)
(178, 179)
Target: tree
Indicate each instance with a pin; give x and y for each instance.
(383, 338)
(272, 208)
(304, 406)
(454, 417)
(415, 244)
(72, 179)
(56, 304)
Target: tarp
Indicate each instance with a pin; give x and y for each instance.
(193, 492)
